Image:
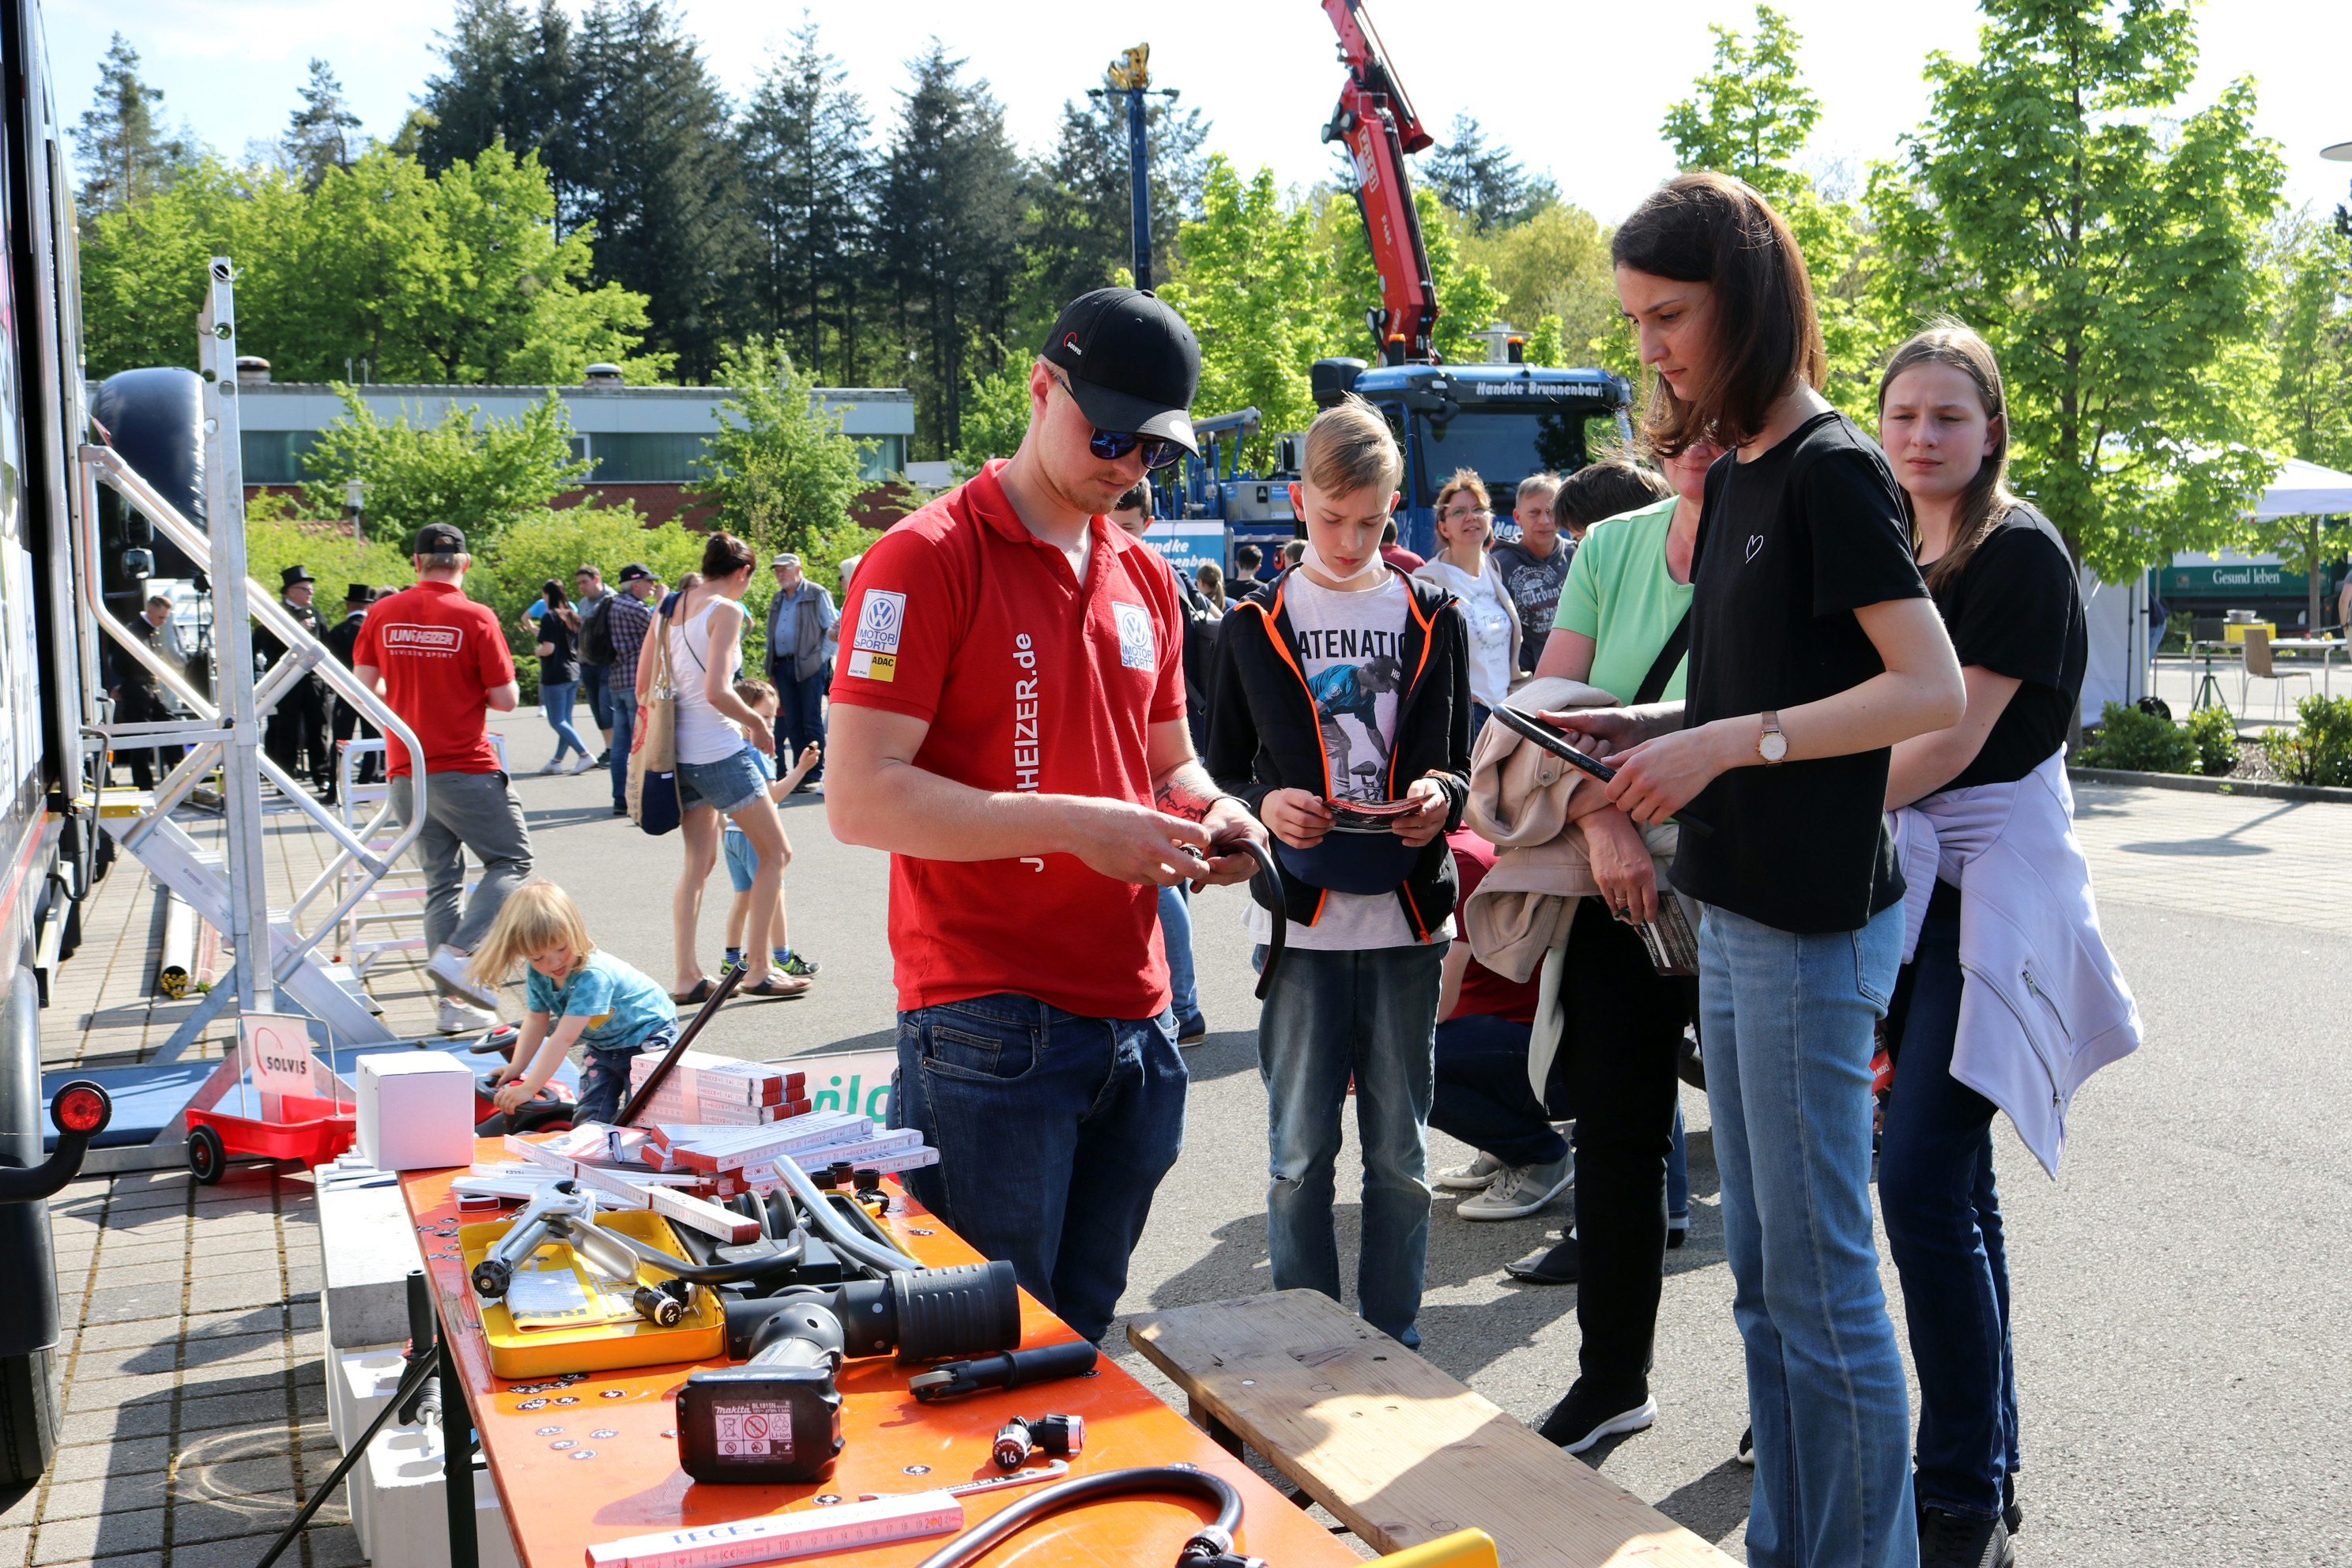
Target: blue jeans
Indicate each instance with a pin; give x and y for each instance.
(1053, 1130)
(605, 1075)
(1329, 1015)
(555, 701)
(1787, 1021)
(800, 715)
(1482, 1095)
(1943, 1227)
(594, 679)
(1176, 935)
(625, 728)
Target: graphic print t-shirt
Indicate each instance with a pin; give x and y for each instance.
(1352, 650)
(1534, 583)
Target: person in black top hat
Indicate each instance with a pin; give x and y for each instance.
(295, 734)
(340, 639)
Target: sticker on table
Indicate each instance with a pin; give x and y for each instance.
(753, 1430)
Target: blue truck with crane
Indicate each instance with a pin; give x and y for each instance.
(1503, 417)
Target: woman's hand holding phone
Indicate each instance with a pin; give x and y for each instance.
(1298, 818)
(1659, 777)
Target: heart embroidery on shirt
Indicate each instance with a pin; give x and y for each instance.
(1755, 543)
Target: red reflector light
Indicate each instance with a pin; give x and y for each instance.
(81, 1108)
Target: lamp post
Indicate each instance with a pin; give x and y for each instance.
(1130, 76)
(2341, 153)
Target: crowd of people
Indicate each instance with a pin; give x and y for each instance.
(1833, 675)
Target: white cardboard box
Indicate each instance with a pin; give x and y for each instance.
(397, 1509)
(416, 1111)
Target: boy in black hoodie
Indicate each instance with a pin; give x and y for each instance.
(1342, 683)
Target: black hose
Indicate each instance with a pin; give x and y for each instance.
(1206, 1543)
(1238, 840)
(420, 1369)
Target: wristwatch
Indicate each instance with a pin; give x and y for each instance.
(1771, 744)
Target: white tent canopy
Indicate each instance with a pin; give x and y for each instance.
(2304, 490)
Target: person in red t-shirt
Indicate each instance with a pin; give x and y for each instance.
(441, 661)
(1008, 720)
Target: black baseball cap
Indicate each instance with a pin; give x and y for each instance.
(439, 538)
(633, 572)
(1134, 364)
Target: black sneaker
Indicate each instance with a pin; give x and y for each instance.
(604, 758)
(1555, 1265)
(1958, 1540)
(1581, 1420)
(2010, 1514)
(1746, 1454)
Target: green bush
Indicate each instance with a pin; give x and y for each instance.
(275, 540)
(2215, 732)
(2319, 750)
(556, 544)
(2139, 742)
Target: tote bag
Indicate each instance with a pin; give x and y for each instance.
(653, 749)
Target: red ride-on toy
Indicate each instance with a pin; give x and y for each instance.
(313, 1131)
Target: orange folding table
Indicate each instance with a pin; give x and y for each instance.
(594, 1460)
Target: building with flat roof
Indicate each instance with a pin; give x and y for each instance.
(645, 441)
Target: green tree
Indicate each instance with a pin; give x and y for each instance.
(2311, 336)
(1749, 115)
(1082, 234)
(808, 178)
(781, 468)
(508, 76)
(482, 475)
(1253, 287)
(318, 134)
(1484, 183)
(995, 414)
(1467, 300)
(124, 154)
(2109, 253)
(1555, 264)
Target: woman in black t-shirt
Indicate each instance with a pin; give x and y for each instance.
(2009, 594)
(1814, 649)
(559, 676)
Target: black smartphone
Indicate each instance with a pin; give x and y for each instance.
(1554, 739)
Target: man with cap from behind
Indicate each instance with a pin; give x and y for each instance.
(800, 620)
(295, 734)
(626, 623)
(1008, 720)
(441, 661)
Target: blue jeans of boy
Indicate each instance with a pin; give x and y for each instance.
(1372, 1016)
(1787, 1019)
(1176, 936)
(1053, 1130)
(1943, 1228)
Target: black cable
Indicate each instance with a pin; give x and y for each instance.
(419, 1370)
(1210, 1543)
(1239, 841)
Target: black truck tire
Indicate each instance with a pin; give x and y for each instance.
(28, 1415)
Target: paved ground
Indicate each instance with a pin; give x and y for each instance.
(2179, 1290)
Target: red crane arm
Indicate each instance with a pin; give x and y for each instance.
(1377, 123)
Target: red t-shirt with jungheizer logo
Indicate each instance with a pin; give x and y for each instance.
(441, 654)
(1030, 680)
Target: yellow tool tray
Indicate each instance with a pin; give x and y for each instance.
(547, 1353)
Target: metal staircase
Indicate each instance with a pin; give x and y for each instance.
(230, 890)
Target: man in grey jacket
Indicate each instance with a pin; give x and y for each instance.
(801, 642)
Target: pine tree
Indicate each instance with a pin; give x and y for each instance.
(125, 158)
(317, 134)
(808, 178)
(1086, 219)
(509, 78)
(946, 225)
(650, 161)
(1484, 183)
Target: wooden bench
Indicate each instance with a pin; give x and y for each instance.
(1395, 1447)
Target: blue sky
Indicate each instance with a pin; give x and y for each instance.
(1578, 88)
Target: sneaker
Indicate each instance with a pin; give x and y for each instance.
(2010, 1514)
(728, 964)
(1960, 1541)
(1556, 1264)
(604, 758)
(552, 765)
(582, 763)
(1746, 1454)
(1474, 1177)
(1191, 1031)
(800, 966)
(449, 964)
(1519, 1191)
(1581, 1420)
(454, 1018)
(1677, 1230)
(620, 811)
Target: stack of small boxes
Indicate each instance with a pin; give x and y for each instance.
(728, 1121)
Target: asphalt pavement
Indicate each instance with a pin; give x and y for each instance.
(2182, 1300)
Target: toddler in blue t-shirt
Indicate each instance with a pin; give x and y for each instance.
(575, 993)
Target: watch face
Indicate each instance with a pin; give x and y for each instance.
(1773, 744)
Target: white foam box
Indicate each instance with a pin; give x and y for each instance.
(416, 1111)
(358, 1383)
(397, 1509)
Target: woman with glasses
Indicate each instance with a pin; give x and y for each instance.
(1465, 522)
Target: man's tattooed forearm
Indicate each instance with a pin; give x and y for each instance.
(1188, 792)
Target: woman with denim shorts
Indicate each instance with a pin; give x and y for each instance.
(1814, 649)
(717, 773)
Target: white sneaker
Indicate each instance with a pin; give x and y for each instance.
(583, 764)
(1520, 1190)
(449, 964)
(552, 765)
(454, 1018)
(1473, 1177)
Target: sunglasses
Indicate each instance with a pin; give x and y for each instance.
(1159, 452)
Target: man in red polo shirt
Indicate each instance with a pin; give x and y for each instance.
(1008, 720)
(441, 661)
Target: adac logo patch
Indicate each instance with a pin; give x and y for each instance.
(873, 652)
(1137, 650)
